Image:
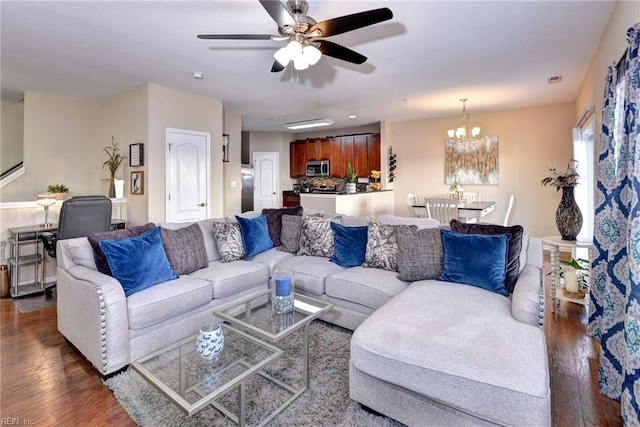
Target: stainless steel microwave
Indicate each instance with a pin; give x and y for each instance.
(318, 168)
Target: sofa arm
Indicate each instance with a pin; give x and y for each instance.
(527, 301)
(92, 315)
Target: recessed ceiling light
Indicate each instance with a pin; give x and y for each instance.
(352, 116)
(197, 75)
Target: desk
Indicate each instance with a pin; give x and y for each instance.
(556, 242)
(467, 211)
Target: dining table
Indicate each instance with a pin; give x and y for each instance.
(466, 211)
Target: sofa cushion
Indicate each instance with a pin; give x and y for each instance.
(350, 245)
(185, 249)
(101, 260)
(382, 247)
(138, 262)
(459, 345)
(167, 300)
(255, 235)
(310, 272)
(228, 240)
(290, 235)
(514, 249)
(229, 278)
(274, 220)
(400, 220)
(365, 286)
(420, 253)
(316, 237)
(271, 258)
(475, 259)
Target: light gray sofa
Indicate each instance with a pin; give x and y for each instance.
(423, 353)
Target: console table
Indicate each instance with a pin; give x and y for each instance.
(24, 238)
(555, 243)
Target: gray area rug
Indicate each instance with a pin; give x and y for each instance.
(31, 303)
(325, 403)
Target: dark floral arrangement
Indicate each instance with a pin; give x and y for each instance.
(563, 178)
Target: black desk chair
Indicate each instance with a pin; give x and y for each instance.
(79, 217)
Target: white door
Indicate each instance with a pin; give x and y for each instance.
(188, 175)
(265, 179)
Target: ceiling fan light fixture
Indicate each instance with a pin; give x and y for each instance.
(300, 63)
(294, 48)
(305, 124)
(282, 56)
(312, 54)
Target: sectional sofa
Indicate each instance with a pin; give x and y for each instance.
(424, 352)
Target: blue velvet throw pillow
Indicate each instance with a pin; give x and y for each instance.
(138, 262)
(475, 259)
(350, 245)
(255, 235)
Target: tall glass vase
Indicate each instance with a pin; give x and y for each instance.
(112, 187)
(568, 215)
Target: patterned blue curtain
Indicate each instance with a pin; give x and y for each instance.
(614, 318)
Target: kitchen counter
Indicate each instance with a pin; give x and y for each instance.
(369, 203)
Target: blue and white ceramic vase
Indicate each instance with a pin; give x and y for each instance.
(210, 341)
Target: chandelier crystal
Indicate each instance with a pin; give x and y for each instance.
(461, 132)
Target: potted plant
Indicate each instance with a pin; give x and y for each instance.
(59, 190)
(113, 163)
(352, 178)
(576, 275)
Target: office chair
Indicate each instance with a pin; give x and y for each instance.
(79, 217)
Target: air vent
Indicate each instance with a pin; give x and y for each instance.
(554, 79)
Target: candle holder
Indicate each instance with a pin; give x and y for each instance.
(282, 291)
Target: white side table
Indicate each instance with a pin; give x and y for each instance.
(556, 242)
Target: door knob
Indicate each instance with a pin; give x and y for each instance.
(273, 193)
(202, 205)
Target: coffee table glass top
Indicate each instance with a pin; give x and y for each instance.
(192, 382)
(246, 314)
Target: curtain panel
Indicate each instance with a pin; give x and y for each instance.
(614, 318)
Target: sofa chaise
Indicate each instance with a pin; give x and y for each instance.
(424, 352)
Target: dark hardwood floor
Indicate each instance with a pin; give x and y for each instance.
(43, 379)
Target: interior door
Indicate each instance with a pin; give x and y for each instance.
(188, 175)
(266, 167)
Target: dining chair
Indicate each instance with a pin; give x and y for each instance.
(509, 207)
(472, 197)
(414, 212)
(442, 209)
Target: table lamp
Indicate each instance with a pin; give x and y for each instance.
(45, 200)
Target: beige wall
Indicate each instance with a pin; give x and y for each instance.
(529, 139)
(273, 142)
(170, 108)
(57, 131)
(11, 134)
(232, 195)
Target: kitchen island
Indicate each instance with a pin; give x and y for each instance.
(369, 203)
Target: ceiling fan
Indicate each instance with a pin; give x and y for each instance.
(305, 36)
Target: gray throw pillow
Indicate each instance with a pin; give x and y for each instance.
(185, 249)
(420, 253)
(382, 247)
(228, 240)
(316, 237)
(274, 221)
(290, 234)
(94, 238)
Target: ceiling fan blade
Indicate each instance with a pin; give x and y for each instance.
(340, 52)
(235, 36)
(276, 67)
(332, 27)
(278, 12)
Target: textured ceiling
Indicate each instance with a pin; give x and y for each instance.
(431, 54)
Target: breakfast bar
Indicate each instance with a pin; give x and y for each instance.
(366, 203)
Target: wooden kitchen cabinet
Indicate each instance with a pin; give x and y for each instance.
(298, 159)
(318, 149)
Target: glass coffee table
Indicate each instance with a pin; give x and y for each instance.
(254, 315)
(193, 383)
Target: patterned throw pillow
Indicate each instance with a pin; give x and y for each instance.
(420, 253)
(228, 240)
(382, 247)
(185, 249)
(316, 237)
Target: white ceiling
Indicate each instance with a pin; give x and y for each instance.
(498, 54)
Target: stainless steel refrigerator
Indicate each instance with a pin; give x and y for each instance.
(246, 176)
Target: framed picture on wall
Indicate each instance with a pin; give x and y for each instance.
(137, 182)
(136, 155)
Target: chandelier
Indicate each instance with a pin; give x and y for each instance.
(461, 132)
